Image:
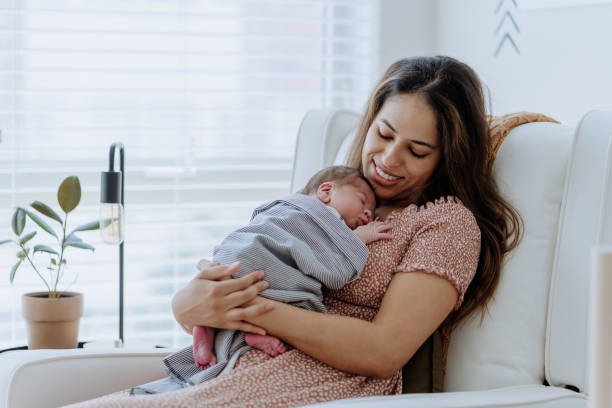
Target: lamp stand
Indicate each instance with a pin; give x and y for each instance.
(111, 164)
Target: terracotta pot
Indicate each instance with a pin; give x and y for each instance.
(52, 323)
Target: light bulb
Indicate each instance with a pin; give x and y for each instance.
(112, 223)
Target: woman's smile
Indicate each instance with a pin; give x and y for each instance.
(383, 177)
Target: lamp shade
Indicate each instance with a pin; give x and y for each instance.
(110, 187)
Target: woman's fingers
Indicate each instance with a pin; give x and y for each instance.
(205, 263)
(246, 313)
(235, 285)
(216, 299)
(241, 297)
(211, 271)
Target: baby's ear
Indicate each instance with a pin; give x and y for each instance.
(324, 192)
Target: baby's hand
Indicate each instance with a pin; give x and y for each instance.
(373, 231)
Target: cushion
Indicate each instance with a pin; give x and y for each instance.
(508, 348)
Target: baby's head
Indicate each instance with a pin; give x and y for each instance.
(346, 190)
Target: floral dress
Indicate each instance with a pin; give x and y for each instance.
(440, 238)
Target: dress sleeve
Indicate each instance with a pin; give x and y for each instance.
(447, 245)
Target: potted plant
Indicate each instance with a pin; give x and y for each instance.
(52, 317)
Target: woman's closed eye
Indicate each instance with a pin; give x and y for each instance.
(418, 156)
(385, 137)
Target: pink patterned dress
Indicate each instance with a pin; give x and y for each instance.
(441, 238)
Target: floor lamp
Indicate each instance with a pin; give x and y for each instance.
(112, 217)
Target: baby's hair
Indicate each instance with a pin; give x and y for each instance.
(342, 175)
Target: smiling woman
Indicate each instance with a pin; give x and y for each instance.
(442, 263)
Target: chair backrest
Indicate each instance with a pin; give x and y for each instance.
(559, 179)
(319, 140)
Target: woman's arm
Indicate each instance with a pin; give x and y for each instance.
(414, 305)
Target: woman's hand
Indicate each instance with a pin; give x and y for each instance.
(214, 299)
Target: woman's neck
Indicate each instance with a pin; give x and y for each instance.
(383, 212)
(386, 206)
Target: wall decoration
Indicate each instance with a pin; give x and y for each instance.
(507, 26)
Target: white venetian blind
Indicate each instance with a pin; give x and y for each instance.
(206, 96)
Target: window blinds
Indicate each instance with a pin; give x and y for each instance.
(206, 96)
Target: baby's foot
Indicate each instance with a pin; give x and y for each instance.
(203, 338)
(270, 344)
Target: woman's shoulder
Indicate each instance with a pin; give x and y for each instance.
(448, 210)
(441, 207)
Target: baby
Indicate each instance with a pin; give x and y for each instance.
(345, 195)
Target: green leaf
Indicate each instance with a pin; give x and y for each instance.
(44, 209)
(13, 270)
(90, 226)
(69, 193)
(22, 254)
(18, 221)
(39, 222)
(27, 237)
(76, 242)
(5, 241)
(45, 248)
(53, 261)
(72, 238)
(79, 244)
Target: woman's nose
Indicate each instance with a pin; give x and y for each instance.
(392, 157)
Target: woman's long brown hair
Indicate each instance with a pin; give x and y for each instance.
(454, 92)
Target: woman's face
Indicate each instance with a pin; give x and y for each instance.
(401, 149)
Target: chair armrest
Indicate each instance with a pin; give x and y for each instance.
(522, 396)
(44, 378)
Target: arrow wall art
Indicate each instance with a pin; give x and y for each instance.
(507, 25)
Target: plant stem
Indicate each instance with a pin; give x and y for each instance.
(34, 266)
(61, 257)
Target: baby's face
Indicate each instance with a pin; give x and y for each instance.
(354, 201)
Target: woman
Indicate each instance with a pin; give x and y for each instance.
(422, 143)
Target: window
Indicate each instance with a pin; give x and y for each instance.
(206, 96)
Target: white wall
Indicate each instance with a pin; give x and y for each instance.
(564, 67)
(406, 28)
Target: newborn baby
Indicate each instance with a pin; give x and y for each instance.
(347, 196)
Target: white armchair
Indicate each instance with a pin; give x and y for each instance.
(558, 178)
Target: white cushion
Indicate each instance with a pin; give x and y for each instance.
(508, 349)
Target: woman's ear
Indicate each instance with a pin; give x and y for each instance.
(324, 192)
